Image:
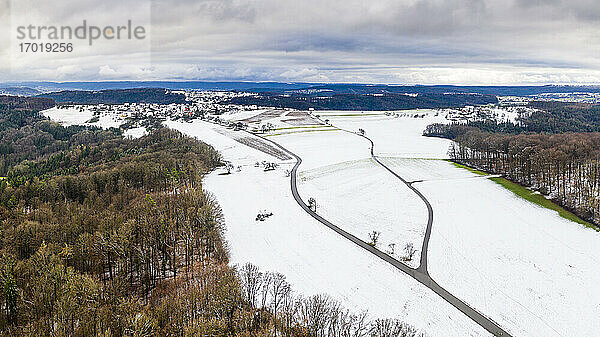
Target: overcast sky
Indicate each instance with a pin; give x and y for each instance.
(376, 41)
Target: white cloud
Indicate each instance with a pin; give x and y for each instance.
(107, 71)
(384, 41)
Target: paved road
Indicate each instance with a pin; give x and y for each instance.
(423, 263)
(420, 274)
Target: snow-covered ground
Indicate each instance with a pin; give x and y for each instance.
(69, 116)
(135, 132)
(531, 271)
(413, 169)
(338, 172)
(521, 265)
(524, 266)
(238, 115)
(314, 259)
(76, 116)
(397, 137)
(223, 140)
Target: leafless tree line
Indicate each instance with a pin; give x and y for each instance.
(318, 315)
(565, 167)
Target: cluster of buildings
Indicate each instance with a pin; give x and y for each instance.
(575, 97)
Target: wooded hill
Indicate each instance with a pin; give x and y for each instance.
(116, 96)
(106, 236)
(369, 102)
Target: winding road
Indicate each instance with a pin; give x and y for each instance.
(420, 274)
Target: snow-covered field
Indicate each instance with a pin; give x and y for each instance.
(230, 149)
(528, 269)
(75, 116)
(524, 266)
(135, 132)
(338, 172)
(413, 169)
(314, 259)
(397, 137)
(238, 115)
(68, 116)
(531, 271)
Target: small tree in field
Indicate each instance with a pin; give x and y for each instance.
(229, 167)
(361, 132)
(374, 238)
(410, 251)
(391, 249)
(312, 204)
(267, 127)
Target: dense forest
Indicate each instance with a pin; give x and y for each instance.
(549, 117)
(555, 117)
(379, 102)
(565, 167)
(107, 236)
(17, 105)
(117, 96)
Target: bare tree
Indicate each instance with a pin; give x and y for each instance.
(392, 328)
(374, 237)
(312, 204)
(410, 251)
(391, 249)
(351, 325)
(229, 167)
(278, 290)
(319, 315)
(313, 312)
(264, 290)
(360, 325)
(287, 312)
(252, 279)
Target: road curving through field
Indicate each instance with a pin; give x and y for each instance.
(420, 274)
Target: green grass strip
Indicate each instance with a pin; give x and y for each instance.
(540, 200)
(470, 169)
(531, 196)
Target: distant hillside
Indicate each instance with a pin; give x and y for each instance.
(172, 85)
(19, 91)
(366, 102)
(120, 96)
(15, 103)
(331, 89)
(313, 89)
